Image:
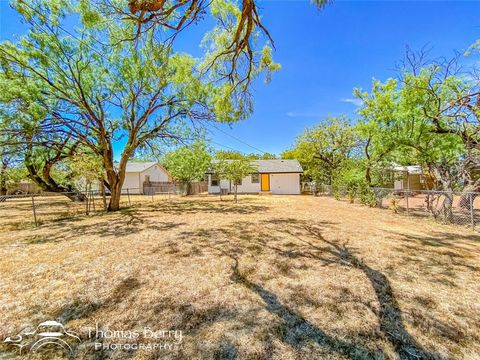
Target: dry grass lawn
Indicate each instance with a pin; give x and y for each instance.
(273, 277)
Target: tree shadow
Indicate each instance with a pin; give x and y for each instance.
(317, 247)
(123, 223)
(390, 314)
(206, 206)
(298, 329)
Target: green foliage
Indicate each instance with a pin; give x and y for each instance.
(234, 170)
(86, 167)
(236, 155)
(321, 150)
(188, 163)
(94, 85)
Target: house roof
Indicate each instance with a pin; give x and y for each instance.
(411, 169)
(138, 166)
(275, 166)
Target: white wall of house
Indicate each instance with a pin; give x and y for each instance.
(279, 184)
(247, 186)
(134, 180)
(156, 174)
(224, 184)
(287, 184)
(132, 183)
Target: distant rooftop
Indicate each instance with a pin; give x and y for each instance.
(411, 169)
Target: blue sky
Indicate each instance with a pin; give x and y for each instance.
(324, 55)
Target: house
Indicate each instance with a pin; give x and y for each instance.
(138, 173)
(272, 176)
(410, 177)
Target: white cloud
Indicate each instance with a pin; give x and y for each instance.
(356, 102)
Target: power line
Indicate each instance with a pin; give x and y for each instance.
(236, 138)
(227, 147)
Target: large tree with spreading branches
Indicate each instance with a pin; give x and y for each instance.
(94, 85)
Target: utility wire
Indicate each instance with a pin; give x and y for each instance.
(234, 137)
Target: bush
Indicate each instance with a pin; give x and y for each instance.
(366, 195)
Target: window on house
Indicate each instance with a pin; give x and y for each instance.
(214, 180)
(255, 178)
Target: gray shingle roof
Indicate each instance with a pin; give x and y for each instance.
(277, 166)
(138, 166)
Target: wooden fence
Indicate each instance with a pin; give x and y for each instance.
(152, 187)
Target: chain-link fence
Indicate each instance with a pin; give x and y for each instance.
(22, 211)
(451, 207)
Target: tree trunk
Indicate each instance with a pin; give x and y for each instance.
(47, 183)
(235, 194)
(3, 181)
(470, 188)
(104, 197)
(3, 185)
(115, 192)
(368, 176)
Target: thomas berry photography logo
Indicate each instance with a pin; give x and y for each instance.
(47, 335)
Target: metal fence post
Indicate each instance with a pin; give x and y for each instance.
(406, 199)
(472, 218)
(128, 195)
(34, 212)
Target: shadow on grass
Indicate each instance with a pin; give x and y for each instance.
(244, 238)
(186, 206)
(299, 330)
(123, 223)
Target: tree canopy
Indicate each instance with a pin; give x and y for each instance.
(188, 163)
(90, 86)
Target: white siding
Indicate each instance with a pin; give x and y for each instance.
(279, 184)
(287, 184)
(134, 180)
(156, 173)
(224, 184)
(132, 183)
(247, 186)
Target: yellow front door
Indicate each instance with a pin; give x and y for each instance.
(265, 182)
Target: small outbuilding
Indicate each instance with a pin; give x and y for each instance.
(138, 174)
(272, 176)
(410, 177)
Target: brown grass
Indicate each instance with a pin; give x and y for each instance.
(280, 277)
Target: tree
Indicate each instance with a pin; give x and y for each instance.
(24, 131)
(238, 30)
(376, 129)
(451, 105)
(95, 92)
(11, 173)
(233, 155)
(188, 163)
(322, 149)
(234, 171)
(395, 128)
(87, 168)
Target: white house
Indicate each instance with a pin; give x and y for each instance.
(137, 173)
(272, 176)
